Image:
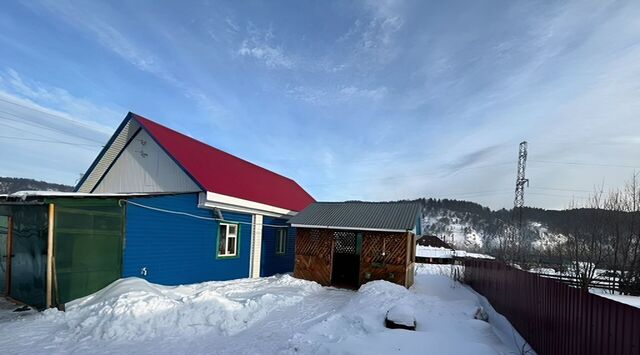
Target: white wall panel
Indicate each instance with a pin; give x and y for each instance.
(144, 167)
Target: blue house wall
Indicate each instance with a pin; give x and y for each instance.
(272, 263)
(176, 249)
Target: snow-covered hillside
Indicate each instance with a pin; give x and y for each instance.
(274, 315)
(9, 185)
(546, 239)
(453, 229)
(469, 231)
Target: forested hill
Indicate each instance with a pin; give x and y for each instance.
(469, 225)
(10, 185)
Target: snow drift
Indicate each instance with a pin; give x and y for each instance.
(133, 308)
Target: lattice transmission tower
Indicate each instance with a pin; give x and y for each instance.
(521, 180)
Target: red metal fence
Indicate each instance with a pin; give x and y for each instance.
(555, 318)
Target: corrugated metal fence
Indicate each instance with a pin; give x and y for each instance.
(555, 318)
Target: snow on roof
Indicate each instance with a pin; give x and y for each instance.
(26, 194)
(434, 252)
(444, 253)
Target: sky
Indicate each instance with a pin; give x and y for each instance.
(369, 100)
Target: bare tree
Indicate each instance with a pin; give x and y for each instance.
(586, 244)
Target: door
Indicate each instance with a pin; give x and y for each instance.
(4, 257)
(346, 259)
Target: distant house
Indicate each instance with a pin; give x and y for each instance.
(432, 250)
(180, 211)
(347, 244)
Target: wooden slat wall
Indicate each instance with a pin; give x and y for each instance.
(385, 256)
(314, 253)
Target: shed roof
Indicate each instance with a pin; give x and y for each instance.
(384, 216)
(433, 241)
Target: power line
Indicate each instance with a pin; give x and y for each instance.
(559, 189)
(555, 195)
(39, 135)
(47, 141)
(186, 214)
(21, 120)
(585, 164)
(47, 113)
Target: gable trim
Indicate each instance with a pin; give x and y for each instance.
(106, 172)
(103, 152)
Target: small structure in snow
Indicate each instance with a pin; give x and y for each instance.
(400, 317)
(347, 244)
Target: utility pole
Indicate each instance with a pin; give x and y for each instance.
(521, 180)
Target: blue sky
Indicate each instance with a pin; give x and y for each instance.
(355, 100)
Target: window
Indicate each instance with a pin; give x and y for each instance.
(227, 240)
(281, 242)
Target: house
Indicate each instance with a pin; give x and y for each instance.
(347, 244)
(188, 213)
(432, 250)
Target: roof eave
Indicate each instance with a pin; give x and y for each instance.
(352, 228)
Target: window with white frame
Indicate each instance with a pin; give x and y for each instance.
(227, 240)
(281, 242)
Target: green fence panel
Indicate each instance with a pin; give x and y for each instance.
(4, 222)
(88, 246)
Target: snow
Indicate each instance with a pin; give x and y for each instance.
(25, 194)
(273, 315)
(444, 253)
(434, 252)
(456, 231)
(401, 314)
(546, 240)
(630, 300)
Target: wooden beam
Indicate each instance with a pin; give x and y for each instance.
(50, 255)
(7, 279)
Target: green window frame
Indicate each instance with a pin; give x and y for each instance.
(228, 241)
(281, 241)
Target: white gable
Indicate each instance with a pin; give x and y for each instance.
(144, 166)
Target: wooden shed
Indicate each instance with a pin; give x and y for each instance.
(347, 244)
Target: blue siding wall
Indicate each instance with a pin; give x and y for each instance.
(270, 262)
(177, 249)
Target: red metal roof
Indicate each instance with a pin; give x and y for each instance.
(220, 172)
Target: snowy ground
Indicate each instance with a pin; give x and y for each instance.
(601, 274)
(275, 315)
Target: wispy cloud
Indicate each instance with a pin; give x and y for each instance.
(260, 47)
(43, 126)
(399, 96)
(97, 20)
(53, 104)
(332, 95)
